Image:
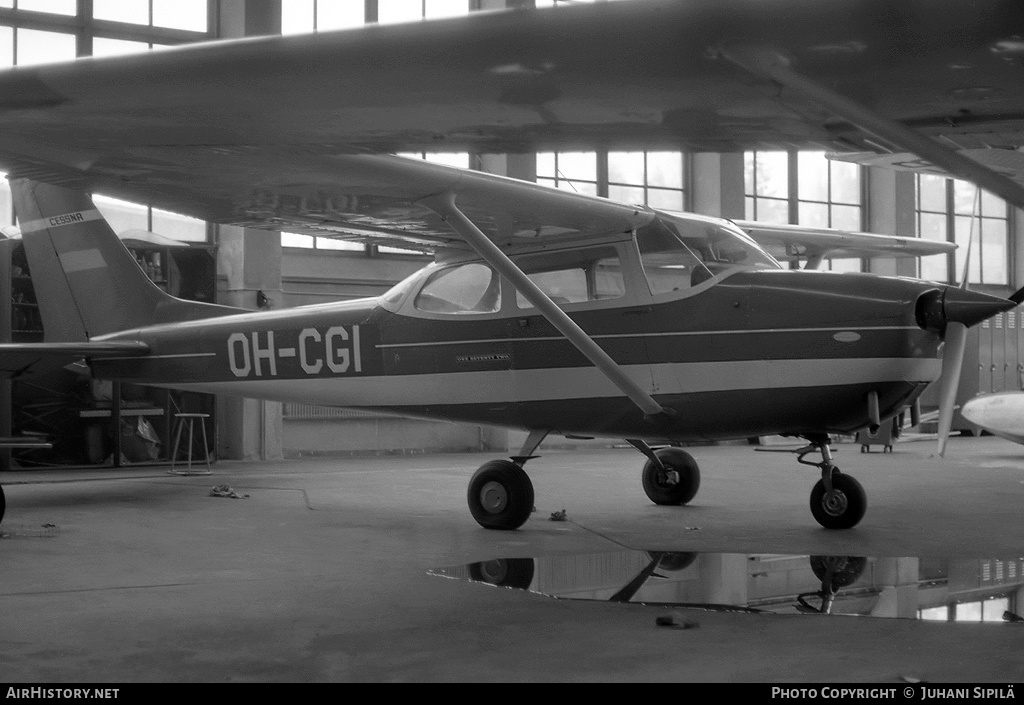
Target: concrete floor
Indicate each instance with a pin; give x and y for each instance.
(321, 574)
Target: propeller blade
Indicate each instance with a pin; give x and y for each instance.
(952, 361)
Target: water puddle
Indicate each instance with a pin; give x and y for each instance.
(939, 589)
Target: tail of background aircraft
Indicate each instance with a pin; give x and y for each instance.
(87, 282)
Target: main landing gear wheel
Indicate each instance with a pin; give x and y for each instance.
(500, 495)
(675, 481)
(843, 507)
(504, 572)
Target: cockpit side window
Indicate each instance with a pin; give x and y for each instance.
(591, 274)
(466, 288)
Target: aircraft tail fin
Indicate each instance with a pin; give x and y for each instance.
(87, 282)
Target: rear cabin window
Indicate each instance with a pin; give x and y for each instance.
(467, 288)
(593, 274)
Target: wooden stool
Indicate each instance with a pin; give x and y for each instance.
(190, 419)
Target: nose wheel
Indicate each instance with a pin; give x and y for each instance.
(843, 507)
(838, 501)
(671, 476)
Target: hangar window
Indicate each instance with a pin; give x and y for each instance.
(569, 171)
(56, 7)
(650, 178)
(983, 217)
(766, 177)
(466, 288)
(954, 210)
(805, 188)
(189, 15)
(829, 196)
(299, 16)
(34, 47)
(101, 46)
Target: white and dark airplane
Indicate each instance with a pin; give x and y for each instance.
(1001, 414)
(544, 310)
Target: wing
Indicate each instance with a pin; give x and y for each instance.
(288, 132)
(641, 73)
(795, 242)
(1008, 162)
(17, 359)
(372, 198)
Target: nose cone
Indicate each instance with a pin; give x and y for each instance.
(971, 307)
(937, 307)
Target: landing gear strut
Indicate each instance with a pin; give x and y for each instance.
(838, 501)
(500, 494)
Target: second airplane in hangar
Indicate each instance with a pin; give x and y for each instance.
(545, 310)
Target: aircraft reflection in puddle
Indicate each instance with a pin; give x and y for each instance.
(961, 590)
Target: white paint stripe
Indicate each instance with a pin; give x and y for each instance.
(59, 221)
(549, 338)
(159, 357)
(497, 387)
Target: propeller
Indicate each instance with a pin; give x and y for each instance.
(949, 382)
(956, 346)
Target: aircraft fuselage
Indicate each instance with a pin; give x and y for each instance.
(756, 353)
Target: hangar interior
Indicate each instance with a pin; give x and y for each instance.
(259, 269)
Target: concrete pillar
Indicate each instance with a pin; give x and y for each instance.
(1016, 246)
(891, 211)
(716, 185)
(248, 18)
(249, 273)
(517, 166)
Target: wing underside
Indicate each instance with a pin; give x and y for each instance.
(292, 133)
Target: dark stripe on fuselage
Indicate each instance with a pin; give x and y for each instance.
(749, 316)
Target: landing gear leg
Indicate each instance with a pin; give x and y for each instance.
(500, 494)
(838, 501)
(670, 475)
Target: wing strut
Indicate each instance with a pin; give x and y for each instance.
(777, 67)
(444, 206)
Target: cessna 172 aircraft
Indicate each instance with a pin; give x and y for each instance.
(545, 310)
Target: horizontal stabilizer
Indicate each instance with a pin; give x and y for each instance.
(19, 358)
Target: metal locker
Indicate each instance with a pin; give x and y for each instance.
(985, 368)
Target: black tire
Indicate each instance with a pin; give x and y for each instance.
(505, 572)
(844, 570)
(683, 484)
(500, 495)
(847, 506)
(3, 504)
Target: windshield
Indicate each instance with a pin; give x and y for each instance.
(679, 252)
